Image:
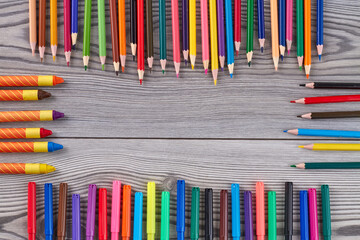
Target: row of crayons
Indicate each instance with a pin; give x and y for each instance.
(221, 25)
(308, 213)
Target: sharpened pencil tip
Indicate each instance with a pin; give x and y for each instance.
(261, 49)
(41, 60)
(292, 101)
(122, 69)
(282, 58)
(215, 82)
(85, 68)
(163, 71)
(177, 75)
(54, 58)
(134, 58)
(249, 63)
(222, 69)
(192, 67)
(206, 71)
(68, 64)
(301, 146)
(293, 166)
(231, 75)
(307, 76)
(300, 68)
(73, 47)
(319, 57)
(237, 53)
(285, 131)
(103, 67)
(117, 73)
(140, 81)
(185, 62)
(302, 85)
(288, 52)
(299, 116)
(150, 70)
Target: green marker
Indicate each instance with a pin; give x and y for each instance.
(102, 32)
(87, 29)
(165, 215)
(272, 216)
(195, 206)
(326, 214)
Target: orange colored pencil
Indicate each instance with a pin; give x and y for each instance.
(122, 34)
(307, 36)
(32, 25)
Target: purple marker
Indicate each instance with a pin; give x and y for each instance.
(76, 225)
(249, 234)
(90, 220)
(185, 28)
(221, 34)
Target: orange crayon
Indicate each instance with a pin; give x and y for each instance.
(6, 133)
(26, 116)
(126, 213)
(29, 81)
(23, 95)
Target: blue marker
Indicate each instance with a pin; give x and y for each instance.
(324, 133)
(320, 27)
(304, 215)
(235, 211)
(229, 37)
(74, 21)
(180, 215)
(49, 224)
(282, 25)
(138, 216)
(76, 224)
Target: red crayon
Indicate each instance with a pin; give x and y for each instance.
(102, 214)
(32, 210)
(328, 99)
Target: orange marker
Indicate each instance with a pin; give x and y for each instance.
(260, 211)
(126, 213)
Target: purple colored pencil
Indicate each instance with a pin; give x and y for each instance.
(185, 29)
(249, 233)
(221, 34)
(90, 220)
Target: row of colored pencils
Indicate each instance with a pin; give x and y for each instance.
(219, 29)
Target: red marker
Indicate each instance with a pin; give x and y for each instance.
(102, 214)
(32, 210)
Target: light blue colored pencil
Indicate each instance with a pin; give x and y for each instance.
(324, 133)
(229, 37)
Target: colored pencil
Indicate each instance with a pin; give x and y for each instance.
(23, 95)
(213, 40)
(204, 34)
(332, 147)
(87, 32)
(29, 81)
(74, 22)
(322, 115)
(282, 27)
(175, 35)
(221, 33)
(289, 24)
(237, 25)
(133, 29)
(17, 133)
(328, 99)
(114, 35)
(185, 29)
(67, 31)
(300, 32)
(307, 36)
(122, 33)
(30, 116)
(149, 33)
(261, 24)
(32, 25)
(53, 28)
(229, 37)
(250, 31)
(331, 85)
(324, 133)
(102, 32)
(140, 39)
(274, 33)
(192, 32)
(42, 28)
(320, 27)
(328, 165)
(162, 34)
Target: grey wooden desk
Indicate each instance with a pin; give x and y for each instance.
(182, 128)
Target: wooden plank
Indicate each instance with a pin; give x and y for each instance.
(201, 163)
(252, 105)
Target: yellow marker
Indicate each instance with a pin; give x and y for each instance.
(150, 218)
(25, 168)
(192, 33)
(213, 40)
(333, 147)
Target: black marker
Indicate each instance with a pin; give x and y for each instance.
(208, 214)
(288, 229)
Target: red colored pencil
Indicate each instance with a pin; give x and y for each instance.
(328, 99)
(237, 27)
(140, 39)
(67, 31)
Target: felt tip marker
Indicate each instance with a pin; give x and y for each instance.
(235, 211)
(76, 218)
(32, 210)
(151, 208)
(103, 214)
(260, 211)
(126, 213)
(115, 210)
(49, 222)
(138, 216)
(249, 233)
(304, 215)
(90, 218)
(288, 224)
(313, 215)
(208, 214)
(180, 216)
(326, 213)
(165, 216)
(195, 213)
(272, 224)
(223, 215)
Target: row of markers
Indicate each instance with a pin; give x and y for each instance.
(308, 213)
(220, 28)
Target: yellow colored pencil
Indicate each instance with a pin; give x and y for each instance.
(53, 27)
(213, 40)
(332, 147)
(274, 32)
(192, 33)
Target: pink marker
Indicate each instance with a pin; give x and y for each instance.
(115, 210)
(204, 34)
(289, 24)
(175, 35)
(313, 215)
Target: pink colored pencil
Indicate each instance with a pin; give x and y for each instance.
(289, 24)
(175, 35)
(204, 34)
(67, 31)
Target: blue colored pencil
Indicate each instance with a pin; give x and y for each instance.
(235, 211)
(324, 133)
(74, 21)
(229, 37)
(304, 215)
(320, 27)
(282, 25)
(261, 24)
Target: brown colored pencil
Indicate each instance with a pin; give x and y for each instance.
(322, 115)
(114, 35)
(42, 28)
(149, 33)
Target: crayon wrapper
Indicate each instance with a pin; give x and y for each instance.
(24, 116)
(18, 81)
(7, 147)
(6, 133)
(12, 168)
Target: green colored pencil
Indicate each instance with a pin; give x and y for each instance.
(87, 29)
(300, 31)
(272, 224)
(328, 165)
(165, 216)
(102, 32)
(162, 34)
(195, 207)
(250, 31)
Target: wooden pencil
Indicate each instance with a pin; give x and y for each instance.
(328, 99)
(289, 24)
(213, 40)
(149, 33)
(67, 31)
(192, 32)
(122, 33)
(300, 32)
(133, 27)
(102, 32)
(237, 25)
(328, 165)
(175, 35)
(205, 34)
(261, 24)
(332, 147)
(331, 85)
(162, 34)
(140, 40)
(221, 32)
(42, 28)
(320, 27)
(323, 115)
(32, 25)
(282, 27)
(53, 28)
(74, 22)
(307, 36)
(185, 30)
(274, 33)
(114, 35)
(87, 33)
(250, 31)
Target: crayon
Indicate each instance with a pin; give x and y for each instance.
(138, 216)
(180, 216)
(76, 224)
(23, 95)
(165, 216)
(49, 225)
(61, 225)
(102, 214)
(25, 168)
(31, 222)
(6, 133)
(90, 217)
(126, 213)
(29, 81)
(195, 213)
(29, 116)
(151, 211)
(115, 210)
(7, 147)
